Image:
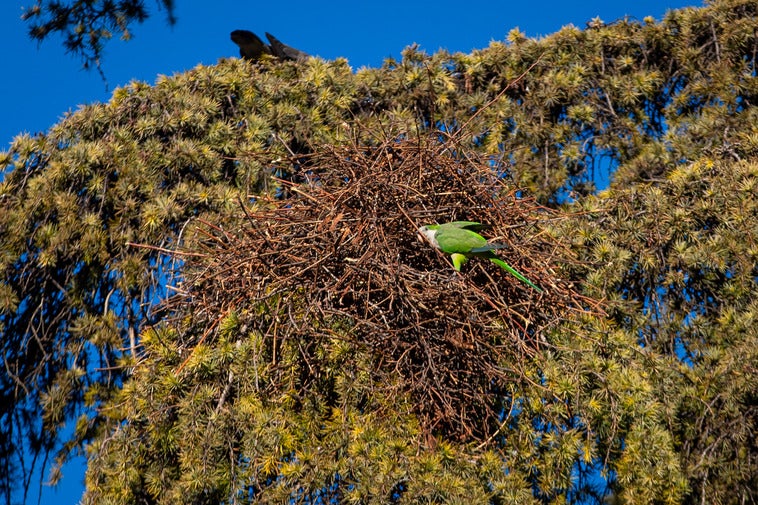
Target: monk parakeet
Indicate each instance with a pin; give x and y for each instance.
(460, 240)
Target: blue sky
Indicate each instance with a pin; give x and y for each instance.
(42, 82)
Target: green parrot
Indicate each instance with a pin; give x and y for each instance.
(460, 240)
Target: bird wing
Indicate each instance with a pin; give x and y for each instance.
(489, 247)
(466, 225)
(283, 51)
(251, 46)
(458, 240)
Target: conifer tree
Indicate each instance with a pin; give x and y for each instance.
(216, 279)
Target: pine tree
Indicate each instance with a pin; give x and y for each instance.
(218, 280)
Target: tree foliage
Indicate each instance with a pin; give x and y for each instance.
(640, 378)
(686, 272)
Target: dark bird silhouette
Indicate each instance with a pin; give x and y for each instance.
(284, 51)
(252, 47)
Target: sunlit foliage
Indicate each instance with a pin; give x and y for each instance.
(647, 395)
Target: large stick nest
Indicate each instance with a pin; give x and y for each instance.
(342, 249)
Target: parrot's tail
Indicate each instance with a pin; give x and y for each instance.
(505, 266)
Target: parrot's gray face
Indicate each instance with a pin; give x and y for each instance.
(428, 234)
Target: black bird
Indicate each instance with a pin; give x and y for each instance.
(252, 47)
(283, 51)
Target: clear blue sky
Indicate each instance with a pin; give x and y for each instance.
(41, 83)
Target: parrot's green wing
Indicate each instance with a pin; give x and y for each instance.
(466, 225)
(486, 249)
(458, 240)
